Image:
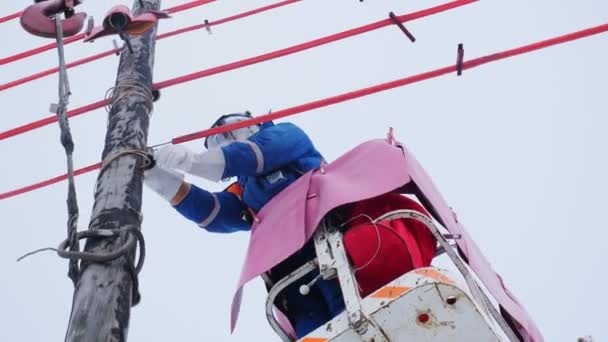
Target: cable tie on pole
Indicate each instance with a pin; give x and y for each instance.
(401, 26)
(459, 59)
(144, 154)
(127, 88)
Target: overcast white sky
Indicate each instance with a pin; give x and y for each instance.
(517, 147)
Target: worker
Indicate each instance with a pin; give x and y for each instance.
(265, 159)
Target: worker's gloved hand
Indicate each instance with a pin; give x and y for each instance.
(164, 182)
(174, 157)
(209, 164)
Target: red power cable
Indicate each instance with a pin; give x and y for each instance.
(227, 19)
(473, 63)
(252, 12)
(10, 17)
(256, 59)
(393, 84)
(39, 50)
(312, 44)
(101, 55)
(77, 37)
(51, 119)
(49, 181)
(188, 5)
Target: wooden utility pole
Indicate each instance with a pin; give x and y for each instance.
(104, 292)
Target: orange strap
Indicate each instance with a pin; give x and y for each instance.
(236, 189)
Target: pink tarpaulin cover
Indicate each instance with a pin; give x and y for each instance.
(373, 168)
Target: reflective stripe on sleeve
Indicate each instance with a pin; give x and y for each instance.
(259, 156)
(214, 212)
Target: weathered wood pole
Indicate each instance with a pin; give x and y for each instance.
(104, 293)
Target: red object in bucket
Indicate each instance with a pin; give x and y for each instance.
(384, 251)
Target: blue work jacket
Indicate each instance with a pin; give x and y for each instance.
(264, 164)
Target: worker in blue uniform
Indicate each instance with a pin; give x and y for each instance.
(265, 159)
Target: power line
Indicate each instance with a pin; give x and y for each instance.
(47, 47)
(473, 63)
(250, 61)
(188, 5)
(10, 17)
(39, 50)
(394, 84)
(108, 53)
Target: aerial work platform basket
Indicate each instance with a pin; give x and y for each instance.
(468, 301)
(425, 304)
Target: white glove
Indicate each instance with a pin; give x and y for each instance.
(209, 164)
(174, 157)
(164, 182)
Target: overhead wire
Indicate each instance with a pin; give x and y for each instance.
(10, 17)
(228, 19)
(315, 43)
(472, 63)
(50, 46)
(252, 60)
(39, 50)
(393, 84)
(169, 34)
(188, 5)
